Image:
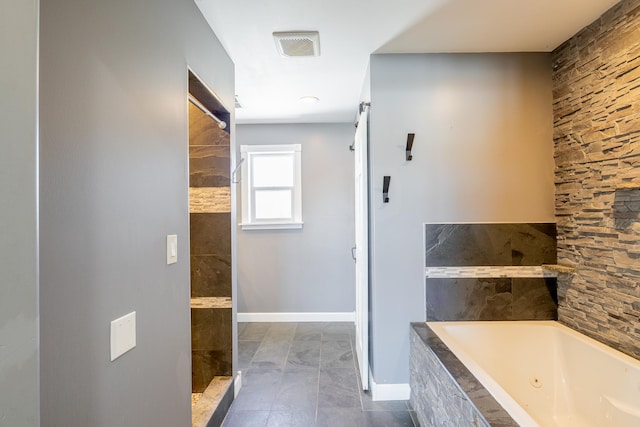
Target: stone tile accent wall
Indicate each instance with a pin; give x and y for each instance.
(596, 91)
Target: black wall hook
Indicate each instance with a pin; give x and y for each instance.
(385, 189)
(410, 137)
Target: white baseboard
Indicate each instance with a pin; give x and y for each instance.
(297, 317)
(389, 391)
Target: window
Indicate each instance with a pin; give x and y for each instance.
(271, 186)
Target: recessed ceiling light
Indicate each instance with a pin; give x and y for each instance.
(309, 99)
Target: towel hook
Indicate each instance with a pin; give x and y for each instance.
(409, 147)
(385, 188)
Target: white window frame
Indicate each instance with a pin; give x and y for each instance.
(248, 153)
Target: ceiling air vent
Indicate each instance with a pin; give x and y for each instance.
(297, 43)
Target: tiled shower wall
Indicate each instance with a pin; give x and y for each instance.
(210, 225)
(596, 91)
(482, 298)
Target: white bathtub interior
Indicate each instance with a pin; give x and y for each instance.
(545, 374)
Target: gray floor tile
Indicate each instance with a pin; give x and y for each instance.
(336, 354)
(246, 351)
(305, 375)
(307, 336)
(385, 405)
(292, 419)
(246, 419)
(254, 398)
(346, 327)
(261, 376)
(242, 326)
(271, 354)
(292, 396)
(414, 417)
(281, 331)
(253, 331)
(338, 388)
(388, 419)
(340, 417)
(311, 326)
(304, 354)
(335, 336)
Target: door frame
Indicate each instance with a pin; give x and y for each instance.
(361, 248)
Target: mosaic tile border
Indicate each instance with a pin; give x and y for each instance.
(211, 302)
(209, 199)
(489, 272)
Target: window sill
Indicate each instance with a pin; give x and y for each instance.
(272, 226)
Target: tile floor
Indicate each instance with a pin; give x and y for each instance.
(304, 374)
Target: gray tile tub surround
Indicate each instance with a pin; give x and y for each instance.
(508, 244)
(443, 391)
(491, 299)
(496, 295)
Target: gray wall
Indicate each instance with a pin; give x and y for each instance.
(114, 180)
(19, 396)
(482, 153)
(308, 270)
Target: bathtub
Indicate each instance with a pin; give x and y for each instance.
(545, 374)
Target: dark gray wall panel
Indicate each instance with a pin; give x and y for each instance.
(458, 245)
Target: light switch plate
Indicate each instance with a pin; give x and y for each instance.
(172, 248)
(123, 335)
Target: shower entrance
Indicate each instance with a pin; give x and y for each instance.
(210, 245)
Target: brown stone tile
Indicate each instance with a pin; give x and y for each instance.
(211, 329)
(206, 364)
(203, 130)
(210, 276)
(210, 234)
(209, 166)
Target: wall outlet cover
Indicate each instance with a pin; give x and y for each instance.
(123, 335)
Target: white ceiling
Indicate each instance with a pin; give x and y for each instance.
(269, 86)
